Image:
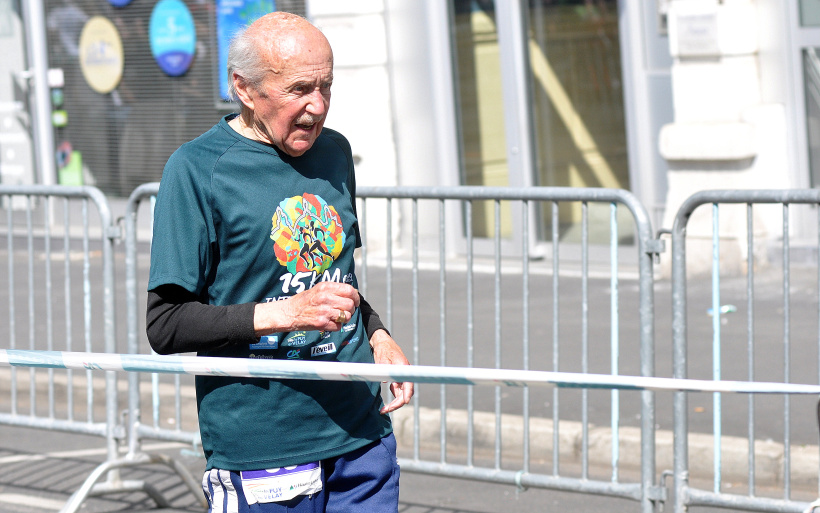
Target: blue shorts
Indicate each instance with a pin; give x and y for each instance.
(365, 480)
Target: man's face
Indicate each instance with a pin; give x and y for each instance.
(290, 106)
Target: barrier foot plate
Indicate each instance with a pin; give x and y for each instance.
(91, 487)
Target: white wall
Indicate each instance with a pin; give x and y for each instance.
(392, 85)
(730, 127)
(16, 157)
(360, 107)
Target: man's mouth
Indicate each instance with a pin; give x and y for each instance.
(307, 122)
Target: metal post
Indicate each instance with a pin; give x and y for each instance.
(614, 340)
(511, 18)
(716, 367)
(35, 21)
(680, 400)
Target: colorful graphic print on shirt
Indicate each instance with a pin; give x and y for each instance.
(307, 234)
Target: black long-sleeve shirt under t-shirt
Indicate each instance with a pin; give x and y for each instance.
(178, 322)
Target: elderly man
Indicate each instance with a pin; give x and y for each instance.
(252, 257)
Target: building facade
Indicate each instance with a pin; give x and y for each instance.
(660, 97)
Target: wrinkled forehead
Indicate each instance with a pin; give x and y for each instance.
(294, 45)
(298, 52)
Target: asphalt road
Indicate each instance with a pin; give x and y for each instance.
(42, 469)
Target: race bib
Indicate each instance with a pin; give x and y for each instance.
(281, 484)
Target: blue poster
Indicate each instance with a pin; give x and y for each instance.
(173, 36)
(231, 16)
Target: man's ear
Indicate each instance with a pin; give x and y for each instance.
(243, 91)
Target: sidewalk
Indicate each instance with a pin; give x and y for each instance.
(769, 455)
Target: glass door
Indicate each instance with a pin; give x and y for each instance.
(575, 56)
(481, 107)
(571, 132)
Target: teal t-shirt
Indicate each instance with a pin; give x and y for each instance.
(237, 221)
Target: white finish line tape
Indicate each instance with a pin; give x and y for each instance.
(340, 371)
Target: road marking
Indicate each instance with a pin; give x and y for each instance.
(31, 502)
(81, 453)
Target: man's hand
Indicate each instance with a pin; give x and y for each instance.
(386, 350)
(325, 307)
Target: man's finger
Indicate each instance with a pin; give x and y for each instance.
(394, 405)
(404, 391)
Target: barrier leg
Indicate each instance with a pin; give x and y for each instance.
(91, 488)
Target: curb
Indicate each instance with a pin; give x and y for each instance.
(769, 456)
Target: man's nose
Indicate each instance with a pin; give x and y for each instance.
(317, 103)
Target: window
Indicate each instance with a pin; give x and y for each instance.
(126, 136)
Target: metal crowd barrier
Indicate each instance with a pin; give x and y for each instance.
(442, 299)
(535, 462)
(60, 283)
(355, 372)
(49, 269)
(137, 343)
(399, 287)
(742, 342)
(42, 251)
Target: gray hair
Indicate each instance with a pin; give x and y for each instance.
(245, 59)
